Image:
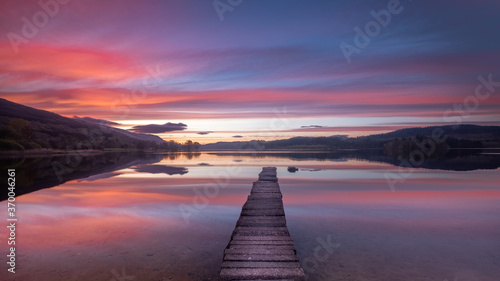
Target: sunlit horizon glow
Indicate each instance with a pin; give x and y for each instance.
(268, 71)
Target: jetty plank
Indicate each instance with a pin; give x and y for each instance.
(261, 247)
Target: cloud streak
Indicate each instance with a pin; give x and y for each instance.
(311, 127)
(96, 121)
(157, 129)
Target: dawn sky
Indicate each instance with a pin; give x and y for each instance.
(240, 70)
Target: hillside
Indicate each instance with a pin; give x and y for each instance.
(465, 131)
(396, 143)
(23, 127)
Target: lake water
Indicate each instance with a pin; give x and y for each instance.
(161, 217)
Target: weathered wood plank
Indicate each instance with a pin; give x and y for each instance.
(265, 224)
(258, 251)
(261, 233)
(266, 212)
(269, 219)
(263, 218)
(261, 242)
(265, 196)
(261, 273)
(269, 205)
(260, 238)
(244, 264)
(260, 257)
(260, 247)
(265, 190)
(250, 223)
(253, 206)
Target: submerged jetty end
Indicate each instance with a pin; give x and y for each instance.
(261, 247)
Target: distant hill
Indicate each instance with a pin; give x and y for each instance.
(464, 131)
(23, 127)
(400, 141)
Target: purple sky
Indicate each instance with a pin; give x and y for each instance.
(260, 70)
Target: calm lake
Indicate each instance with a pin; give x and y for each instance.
(169, 217)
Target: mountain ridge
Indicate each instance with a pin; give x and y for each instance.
(23, 127)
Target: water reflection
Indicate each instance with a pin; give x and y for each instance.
(35, 173)
(454, 160)
(100, 176)
(161, 169)
(124, 211)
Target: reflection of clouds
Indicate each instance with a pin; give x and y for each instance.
(238, 160)
(89, 230)
(100, 176)
(162, 169)
(311, 170)
(144, 196)
(93, 167)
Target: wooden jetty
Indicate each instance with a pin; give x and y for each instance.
(261, 247)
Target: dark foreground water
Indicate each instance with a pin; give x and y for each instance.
(157, 217)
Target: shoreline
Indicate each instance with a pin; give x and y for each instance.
(81, 152)
(45, 152)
